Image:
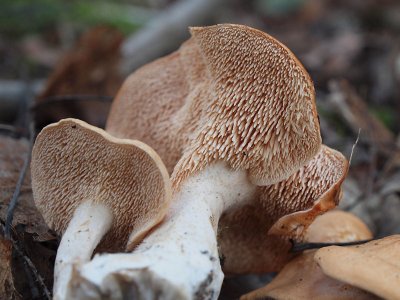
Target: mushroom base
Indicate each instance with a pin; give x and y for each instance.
(179, 260)
(89, 224)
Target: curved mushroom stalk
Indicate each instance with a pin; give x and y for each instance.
(87, 227)
(180, 259)
(95, 189)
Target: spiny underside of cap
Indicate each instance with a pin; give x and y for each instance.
(229, 93)
(302, 189)
(73, 162)
(244, 229)
(146, 105)
(257, 111)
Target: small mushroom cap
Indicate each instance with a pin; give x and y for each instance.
(243, 238)
(230, 93)
(302, 278)
(73, 162)
(322, 193)
(374, 266)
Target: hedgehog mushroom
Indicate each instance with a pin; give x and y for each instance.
(302, 278)
(292, 203)
(374, 266)
(249, 120)
(89, 185)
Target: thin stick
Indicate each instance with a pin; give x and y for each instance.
(17, 191)
(299, 247)
(10, 130)
(68, 98)
(354, 146)
(7, 127)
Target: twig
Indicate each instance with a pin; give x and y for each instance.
(67, 98)
(17, 191)
(30, 264)
(354, 146)
(12, 90)
(10, 130)
(299, 247)
(352, 108)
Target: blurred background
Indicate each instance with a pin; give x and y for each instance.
(68, 58)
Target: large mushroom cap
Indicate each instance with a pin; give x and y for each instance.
(145, 105)
(258, 110)
(312, 190)
(230, 93)
(302, 278)
(374, 266)
(73, 162)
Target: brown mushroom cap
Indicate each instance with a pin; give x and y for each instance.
(258, 112)
(301, 199)
(230, 93)
(73, 161)
(302, 278)
(145, 105)
(374, 266)
(243, 238)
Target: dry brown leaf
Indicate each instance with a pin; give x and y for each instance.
(7, 288)
(374, 266)
(303, 279)
(12, 156)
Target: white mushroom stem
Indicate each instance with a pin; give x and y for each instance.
(87, 227)
(179, 260)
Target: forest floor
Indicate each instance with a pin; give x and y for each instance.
(69, 66)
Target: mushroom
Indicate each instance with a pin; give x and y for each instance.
(287, 207)
(302, 278)
(374, 266)
(92, 187)
(248, 119)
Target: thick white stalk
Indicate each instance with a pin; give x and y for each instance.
(87, 227)
(179, 260)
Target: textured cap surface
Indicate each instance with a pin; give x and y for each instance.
(73, 161)
(230, 93)
(259, 113)
(310, 192)
(243, 235)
